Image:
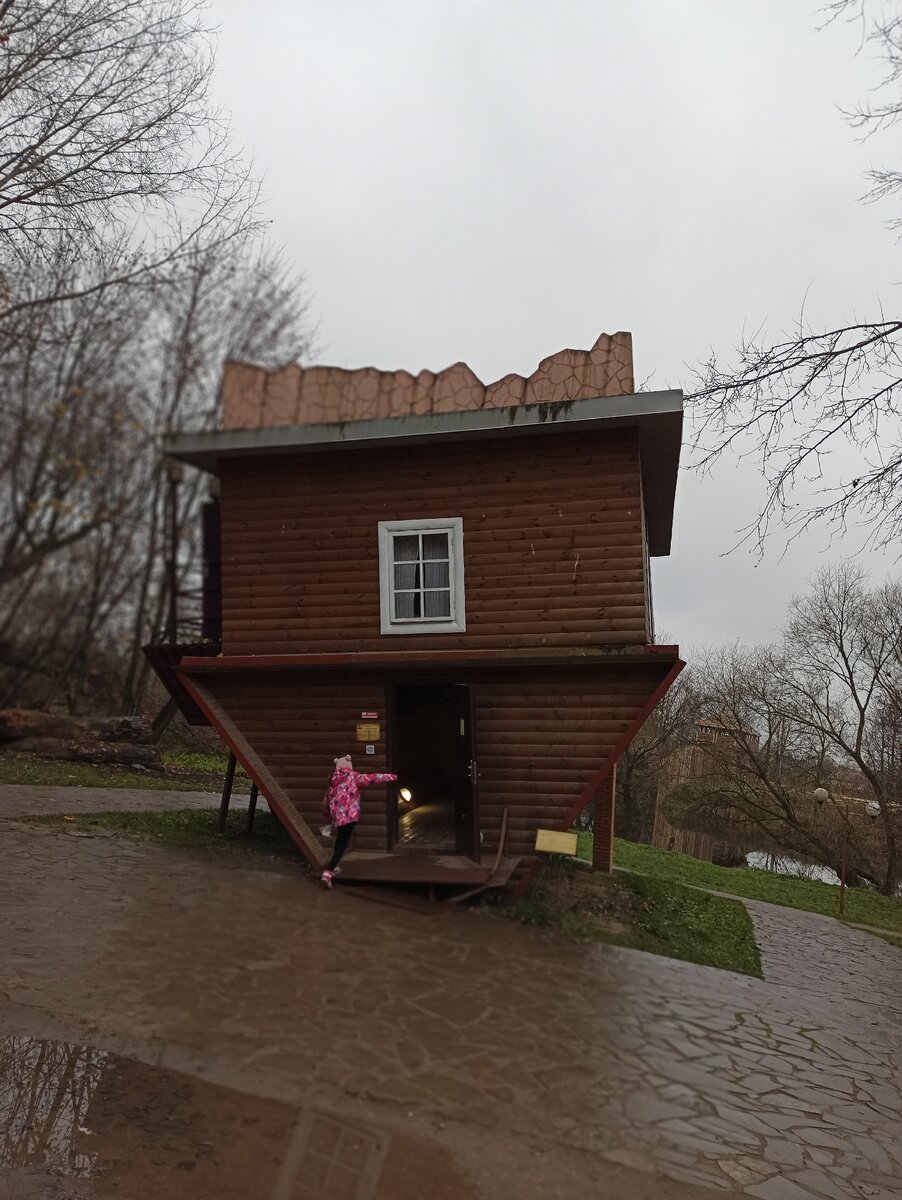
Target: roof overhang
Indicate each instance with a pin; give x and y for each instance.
(657, 416)
(656, 657)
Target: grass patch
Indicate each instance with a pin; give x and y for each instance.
(190, 828)
(184, 771)
(887, 937)
(655, 915)
(23, 768)
(681, 922)
(863, 906)
(212, 762)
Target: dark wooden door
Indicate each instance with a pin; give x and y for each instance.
(466, 787)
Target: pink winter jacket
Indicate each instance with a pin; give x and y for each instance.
(341, 803)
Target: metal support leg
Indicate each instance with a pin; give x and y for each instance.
(226, 796)
(251, 810)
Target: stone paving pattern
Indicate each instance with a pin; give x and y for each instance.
(784, 1089)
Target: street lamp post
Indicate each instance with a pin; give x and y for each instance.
(821, 794)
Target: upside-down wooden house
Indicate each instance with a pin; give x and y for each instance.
(448, 580)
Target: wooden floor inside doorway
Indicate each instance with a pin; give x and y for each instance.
(428, 828)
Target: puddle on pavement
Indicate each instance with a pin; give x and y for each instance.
(115, 1128)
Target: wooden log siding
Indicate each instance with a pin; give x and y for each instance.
(553, 543)
(298, 724)
(541, 734)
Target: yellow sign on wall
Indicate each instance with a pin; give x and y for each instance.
(369, 733)
(552, 841)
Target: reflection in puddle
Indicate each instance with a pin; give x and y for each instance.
(77, 1111)
(46, 1089)
(328, 1159)
(129, 1129)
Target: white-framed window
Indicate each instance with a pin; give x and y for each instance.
(421, 575)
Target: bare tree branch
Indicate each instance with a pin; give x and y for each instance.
(104, 112)
(817, 410)
(820, 709)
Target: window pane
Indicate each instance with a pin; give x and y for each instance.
(407, 606)
(406, 549)
(436, 575)
(438, 604)
(435, 545)
(407, 575)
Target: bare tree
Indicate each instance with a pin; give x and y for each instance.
(815, 711)
(846, 643)
(789, 405)
(105, 120)
(73, 429)
(639, 768)
(127, 275)
(229, 303)
(91, 384)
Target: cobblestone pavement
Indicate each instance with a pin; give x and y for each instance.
(782, 1089)
(842, 966)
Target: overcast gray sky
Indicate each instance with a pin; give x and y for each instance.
(494, 180)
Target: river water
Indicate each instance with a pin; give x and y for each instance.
(790, 866)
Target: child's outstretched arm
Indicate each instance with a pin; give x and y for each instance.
(379, 777)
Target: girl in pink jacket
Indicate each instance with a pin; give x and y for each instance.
(341, 805)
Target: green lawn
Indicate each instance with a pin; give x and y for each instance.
(15, 768)
(198, 760)
(863, 906)
(184, 771)
(193, 828)
(695, 926)
(654, 915)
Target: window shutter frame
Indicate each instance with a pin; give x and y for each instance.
(457, 622)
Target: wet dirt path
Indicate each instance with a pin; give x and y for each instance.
(31, 800)
(535, 1066)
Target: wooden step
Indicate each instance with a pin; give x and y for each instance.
(454, 869)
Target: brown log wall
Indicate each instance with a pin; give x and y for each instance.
(553, 543)
(541, 735)
(298, 724)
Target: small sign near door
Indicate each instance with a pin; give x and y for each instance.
(552, 841)
(369, 716)
(369, 733)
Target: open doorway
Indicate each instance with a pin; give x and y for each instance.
(435, 764)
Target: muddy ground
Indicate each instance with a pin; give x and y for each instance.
(179, 1027)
